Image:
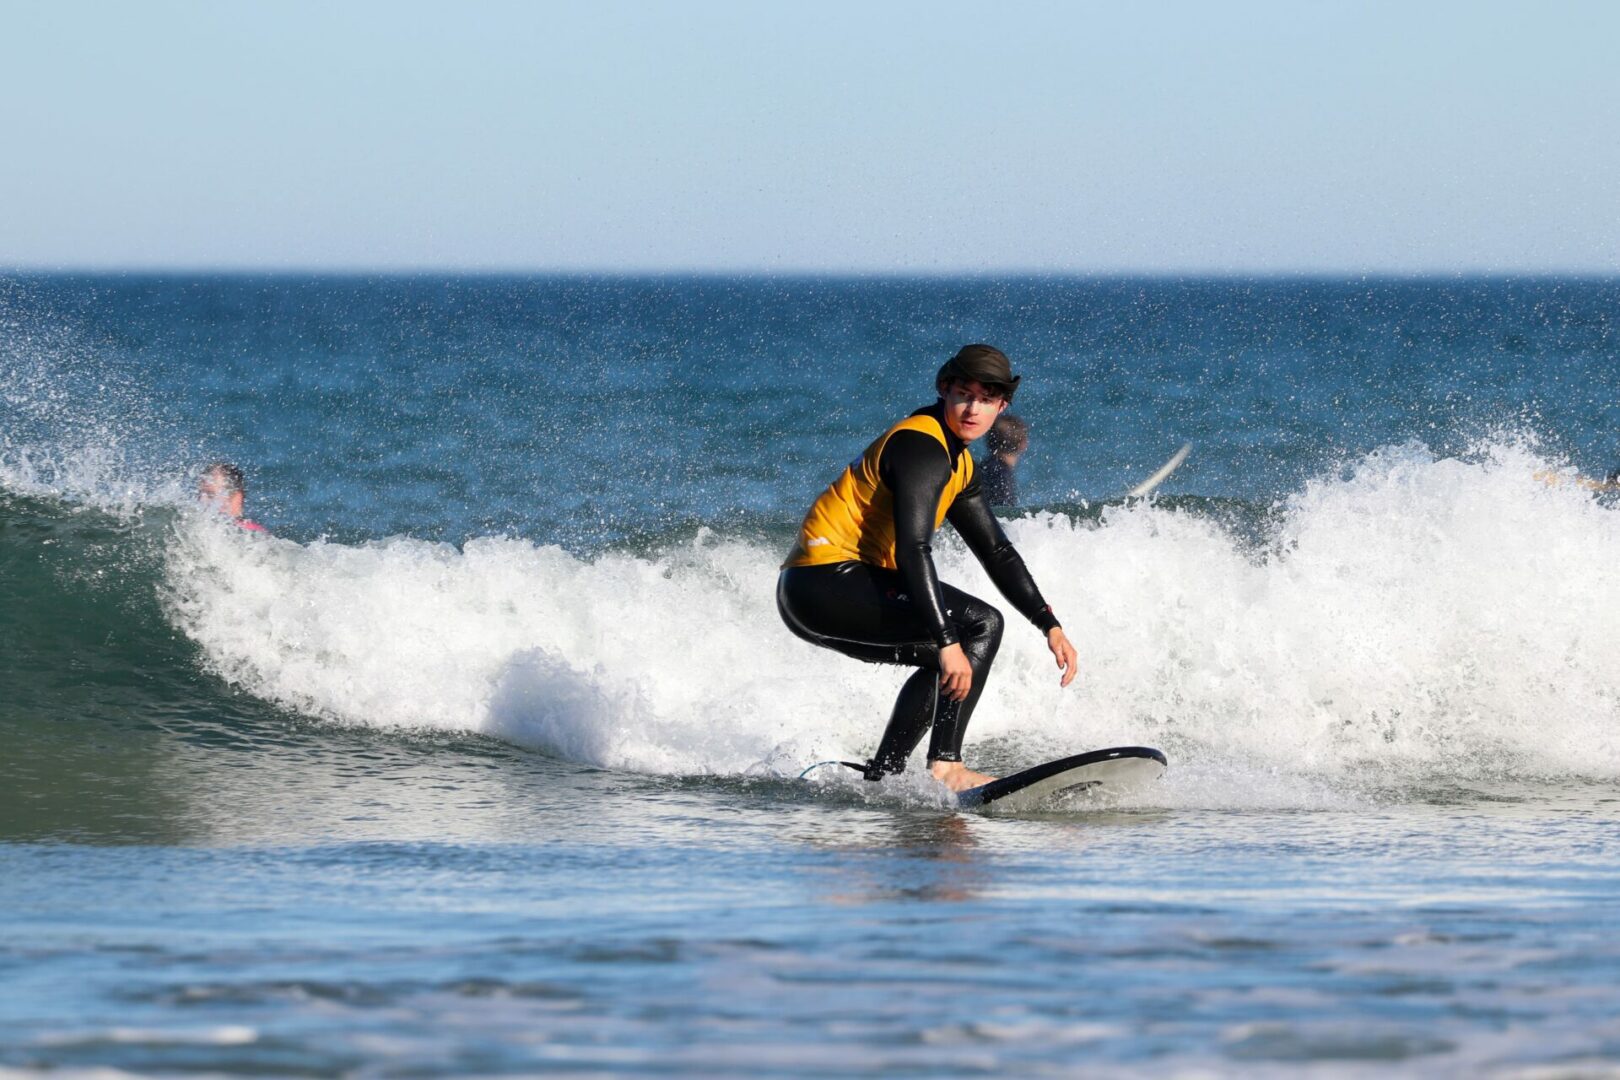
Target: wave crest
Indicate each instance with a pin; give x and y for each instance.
(1414, 618)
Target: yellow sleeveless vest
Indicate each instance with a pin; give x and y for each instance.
(854, 518)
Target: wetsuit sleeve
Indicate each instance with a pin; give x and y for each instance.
(915, 468)
(970, 516)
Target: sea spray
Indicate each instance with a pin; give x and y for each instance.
(78, 417)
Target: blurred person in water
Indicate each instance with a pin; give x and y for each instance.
(1007, 441)
(223, 487)
(1591, 483)
(861, 578)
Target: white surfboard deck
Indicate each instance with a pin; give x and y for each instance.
(1117, 767)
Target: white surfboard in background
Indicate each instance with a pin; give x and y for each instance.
(1164, 471)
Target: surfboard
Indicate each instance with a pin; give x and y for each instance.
(1117, 767)
(1163, 474)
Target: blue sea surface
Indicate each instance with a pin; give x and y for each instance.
(487, 760)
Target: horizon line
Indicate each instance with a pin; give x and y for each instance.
(648, 273)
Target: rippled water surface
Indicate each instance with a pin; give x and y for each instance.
(468, 909)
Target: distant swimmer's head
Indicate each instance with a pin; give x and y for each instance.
(222, 485)
(1009, 435)
(975, 385)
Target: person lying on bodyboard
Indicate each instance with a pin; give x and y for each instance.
(861, 578)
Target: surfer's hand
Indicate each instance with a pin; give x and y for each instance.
(955, 673)
(1058, 642)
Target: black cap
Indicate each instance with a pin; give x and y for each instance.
(982, 363)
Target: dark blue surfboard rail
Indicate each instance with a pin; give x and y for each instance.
(1007, 785)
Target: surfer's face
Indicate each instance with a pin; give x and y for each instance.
(971, 408)
(217, 493)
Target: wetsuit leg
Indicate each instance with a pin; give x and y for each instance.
(980, 626)
(862, 611)
(913, 712)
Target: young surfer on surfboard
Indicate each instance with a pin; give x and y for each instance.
(861, 578)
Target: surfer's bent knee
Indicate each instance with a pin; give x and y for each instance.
(991, 623)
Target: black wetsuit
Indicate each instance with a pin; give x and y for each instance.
(906, 616)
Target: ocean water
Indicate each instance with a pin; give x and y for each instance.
(485, 762)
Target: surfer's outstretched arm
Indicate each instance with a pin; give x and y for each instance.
(970, 516)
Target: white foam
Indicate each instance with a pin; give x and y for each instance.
(220, 1035)
(677, 664)
(1416, 618)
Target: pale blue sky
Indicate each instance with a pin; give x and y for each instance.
(900, 137)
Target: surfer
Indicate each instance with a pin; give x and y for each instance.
(223, 487)
(1007, 441)
(861, 578)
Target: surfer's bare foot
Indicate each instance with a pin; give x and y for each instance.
(956, 776)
